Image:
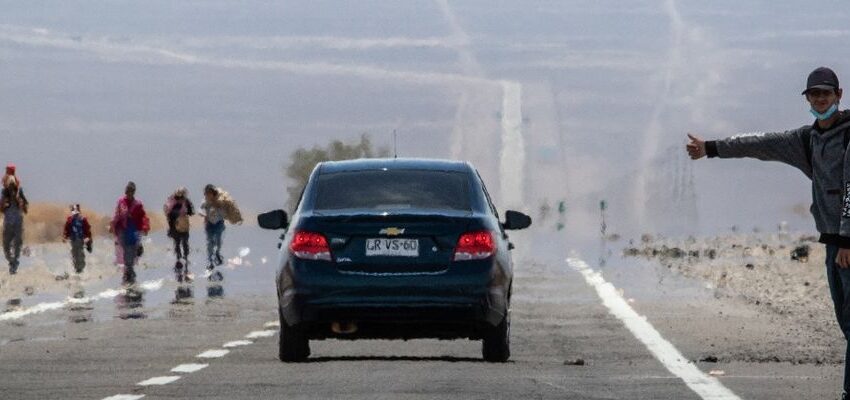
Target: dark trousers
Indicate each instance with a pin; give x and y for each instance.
(181, 245)
(839, 287)
(214, 233)
(13, 238)
(78, 254)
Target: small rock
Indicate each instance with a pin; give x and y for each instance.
(750, 266)
(631, 252)
(29, 290)
(577, 362)
(709, 359)
(676, 252)
(717, 372)
(62, 277)
(801, 253)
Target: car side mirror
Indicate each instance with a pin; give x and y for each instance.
(515, 220)
(276, 219)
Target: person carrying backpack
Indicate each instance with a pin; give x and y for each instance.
(128, 224)
(818, 150)
(178, 208)
(13, 205)
(218, 206)
(78, 232)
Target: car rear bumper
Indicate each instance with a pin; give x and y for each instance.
(394, 320)
(448, 305)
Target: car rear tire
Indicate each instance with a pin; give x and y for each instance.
(294, 345)
(496, 345)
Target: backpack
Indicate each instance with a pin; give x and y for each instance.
(77, 229)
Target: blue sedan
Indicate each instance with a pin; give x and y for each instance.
(394, 249)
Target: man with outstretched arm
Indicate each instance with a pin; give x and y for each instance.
(818, 150)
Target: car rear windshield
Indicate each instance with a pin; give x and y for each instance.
(393, 190)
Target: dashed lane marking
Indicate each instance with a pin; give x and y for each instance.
(237, 343)
(707, 387)
(189, 368)
(260, 334)
(192, 367)
(158, 380)
(213, 354)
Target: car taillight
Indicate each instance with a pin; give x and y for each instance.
(476, 245)
(310, 246)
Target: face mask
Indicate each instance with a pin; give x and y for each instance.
(825, 115)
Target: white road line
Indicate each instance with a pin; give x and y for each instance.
(512, 158)
(213, 354)
(237, 343)
(152, 285)
(158, 380)
(189, 368)
(125, 397)
(106, 294)
(705, 386)
(260, 334)
(38, 308)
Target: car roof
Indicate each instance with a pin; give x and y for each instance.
(365, 164)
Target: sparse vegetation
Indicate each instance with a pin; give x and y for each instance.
(45, 222)
(304, 160)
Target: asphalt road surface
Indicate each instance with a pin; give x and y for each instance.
(220, 342)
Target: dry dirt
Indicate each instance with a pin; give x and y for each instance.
(759, 270)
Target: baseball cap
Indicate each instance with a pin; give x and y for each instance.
(822, 78)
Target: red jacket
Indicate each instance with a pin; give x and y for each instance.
(86, 227)
(127, 211)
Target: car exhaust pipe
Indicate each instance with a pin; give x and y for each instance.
(343, 328)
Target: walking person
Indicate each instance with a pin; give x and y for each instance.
(218, 206)
(178, 208)
(818, 150)
(129, 223)
(13, 205)
(78, 232)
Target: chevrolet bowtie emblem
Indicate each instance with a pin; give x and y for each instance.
(391, 231)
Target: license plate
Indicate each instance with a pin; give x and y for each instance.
(392, 247)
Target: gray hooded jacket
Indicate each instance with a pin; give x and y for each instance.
(821, 155)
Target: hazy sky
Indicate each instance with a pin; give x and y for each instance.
(183, 93)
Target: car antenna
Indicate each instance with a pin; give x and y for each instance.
(395, 144)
